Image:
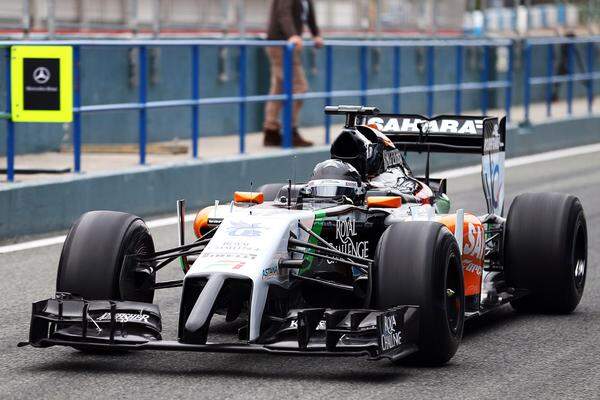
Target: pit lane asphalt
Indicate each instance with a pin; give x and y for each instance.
(503, 355)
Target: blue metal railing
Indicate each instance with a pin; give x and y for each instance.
(553, 77)
(430, 88)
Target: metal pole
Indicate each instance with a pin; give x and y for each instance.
(515, 17)
(430, 79)
(570, 48)
(288, 79)
(77, 115)
(526, 80)
(142, 99)
(50, 18)
(26, 17)
(459, 78)
(328, 89)
(590, 70)
(364, 79)
(224, 15)
(528, 10)
(132, 16)
(510, 79)
(483, 5)
(10, 125)
(156, 18)
(397, 81)
(242, 93)
(195, 97)
(550, 75)
(485, 77)
(241, 17)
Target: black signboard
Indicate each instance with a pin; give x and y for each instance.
(41, 84)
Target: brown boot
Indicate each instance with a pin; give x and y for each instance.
(299, 141)
(272, 137)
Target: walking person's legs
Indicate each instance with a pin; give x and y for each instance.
(300, 86)
(271, 125)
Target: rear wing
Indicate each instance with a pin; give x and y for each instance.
(442, 134)
(453, 134)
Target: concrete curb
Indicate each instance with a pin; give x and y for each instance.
(33, 208)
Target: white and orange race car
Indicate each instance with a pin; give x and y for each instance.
(363, 259)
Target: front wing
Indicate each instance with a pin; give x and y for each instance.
(98, 325)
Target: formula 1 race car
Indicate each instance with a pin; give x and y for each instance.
(363, 259)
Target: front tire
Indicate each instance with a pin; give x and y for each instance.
(419, 263)
(93, 261)
(546, 251)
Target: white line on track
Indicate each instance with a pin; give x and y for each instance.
(453, 173)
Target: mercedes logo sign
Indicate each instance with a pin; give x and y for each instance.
(41, 75)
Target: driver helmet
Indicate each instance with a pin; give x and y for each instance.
(335, 179)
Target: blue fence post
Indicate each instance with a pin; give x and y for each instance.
(397, 80)
(77, 115)
(485, 77)
(526, 80)
(550, 75)
(459, 78)
(288, 86)
(243, 62)
(10, 126)
(328, 89)
(364, 79)
(570, 71)
(195, 97)
(590, 71)
(430, 79)
(142, 99)
(510, 79)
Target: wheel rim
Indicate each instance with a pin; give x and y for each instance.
(579, 258)
(137, 285)
(453, 298)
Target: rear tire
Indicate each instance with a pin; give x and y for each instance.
(419, 263)
(92, 262)
(546, 251)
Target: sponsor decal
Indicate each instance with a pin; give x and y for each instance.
(473, 249)
(243, 256)
(124, 317)
(492, 142)
(391, 336)
(345, 231)
(331, 182)
(214, 221)
(407, 186)
(270, 272)
(391, 158)
(411, 125)
(244, 229)
(233, 264)
(320, 327)
(235, 245)
(232, 249)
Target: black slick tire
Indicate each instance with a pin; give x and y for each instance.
(545, 252)
(93, 262)
(418, 263)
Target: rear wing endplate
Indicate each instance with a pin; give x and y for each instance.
(453, 134)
